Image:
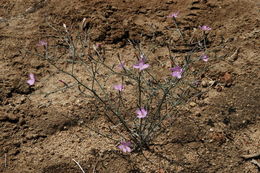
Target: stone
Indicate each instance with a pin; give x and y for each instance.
(193, 104)
(204, 83)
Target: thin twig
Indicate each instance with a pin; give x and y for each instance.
(256, 163)
(204, 40)
(5, 160)
(234, 56)
(176, 25)
(60, 89)
(79, 165)
(251, 156)
(94, 169)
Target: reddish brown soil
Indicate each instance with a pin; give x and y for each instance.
(44, 134)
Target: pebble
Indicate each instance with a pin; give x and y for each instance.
(204, 83)
(193, 104)
(169, 2)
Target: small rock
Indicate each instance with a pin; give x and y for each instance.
(193, 104)
(227, 79)
(80, 122)
(65, 128)
(204, 83)
(169, 2)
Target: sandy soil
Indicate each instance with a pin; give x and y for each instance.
(43, 131)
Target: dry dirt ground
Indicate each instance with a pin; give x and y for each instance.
(42, 131)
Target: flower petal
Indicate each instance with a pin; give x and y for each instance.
(205, 28)
(31, 80)
(144, 66)
(141, 113)
(205, 57)
(125, 147)
(119, 87)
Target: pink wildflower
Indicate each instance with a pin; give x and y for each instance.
(175, 15)
(141, 65)
(205, 28)
(204, 57)
(177, 72)
(119, 87)
(42, 43)
(31, 81)
(125, 147)
(141, 113)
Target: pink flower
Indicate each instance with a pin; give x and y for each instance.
(31, 81)
(204, 57)
(177, 72)
(42, 43)
(119, 87)
(205, 28)
(125, 147)
(141, 65)
(141, 113)
(175, 15)
(98, 45)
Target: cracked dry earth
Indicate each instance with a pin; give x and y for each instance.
(42, 131)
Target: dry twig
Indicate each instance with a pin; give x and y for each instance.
(5, 160)
(256, 163)
(251, 156)
(234, 56)
(79, 165)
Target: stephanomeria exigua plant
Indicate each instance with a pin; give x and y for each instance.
(133, 123)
